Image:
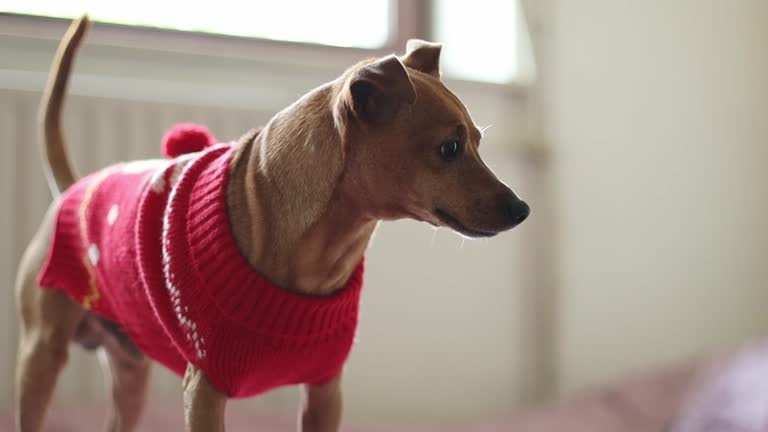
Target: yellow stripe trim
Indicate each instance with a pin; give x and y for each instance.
(93, 295)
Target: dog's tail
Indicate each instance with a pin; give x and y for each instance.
(58, 167)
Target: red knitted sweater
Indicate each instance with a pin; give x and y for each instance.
(148, 245)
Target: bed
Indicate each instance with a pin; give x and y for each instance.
(724, 393)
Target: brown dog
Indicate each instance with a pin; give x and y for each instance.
(386, 140)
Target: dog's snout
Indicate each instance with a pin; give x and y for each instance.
(516, 209)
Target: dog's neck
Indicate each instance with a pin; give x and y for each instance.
(290, 218)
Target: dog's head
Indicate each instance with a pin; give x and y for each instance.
(412, 148)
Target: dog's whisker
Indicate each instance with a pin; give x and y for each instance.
(485, 128)
(434, 234)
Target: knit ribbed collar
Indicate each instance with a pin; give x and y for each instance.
(201, 241)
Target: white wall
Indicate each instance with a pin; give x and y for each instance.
(657, 116)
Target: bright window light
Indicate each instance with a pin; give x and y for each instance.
(483, 40)
(324, 22)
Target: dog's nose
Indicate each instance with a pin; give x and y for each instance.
(517, 210)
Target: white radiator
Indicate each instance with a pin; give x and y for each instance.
(99, 132)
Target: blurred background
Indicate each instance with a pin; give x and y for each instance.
(637, 130)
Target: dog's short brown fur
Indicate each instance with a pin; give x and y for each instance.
(374, 144)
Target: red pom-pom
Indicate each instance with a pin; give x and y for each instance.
(186, 138)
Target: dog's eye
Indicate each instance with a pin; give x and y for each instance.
(451, 150)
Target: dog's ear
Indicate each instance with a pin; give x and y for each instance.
(423, 56)
(379, 89)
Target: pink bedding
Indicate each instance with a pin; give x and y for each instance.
(724, 394)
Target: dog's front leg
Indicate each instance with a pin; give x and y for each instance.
(322, 407)
(203, 404)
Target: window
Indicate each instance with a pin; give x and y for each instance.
(311, 21)
(483, 40)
